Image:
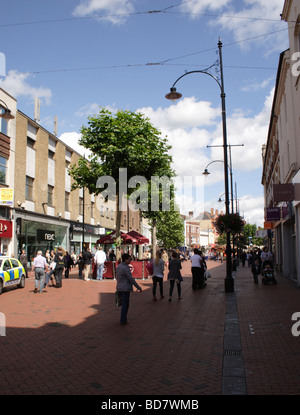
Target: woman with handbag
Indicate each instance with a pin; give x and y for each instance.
(174, 275)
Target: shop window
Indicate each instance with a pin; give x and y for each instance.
(29, 188)
(3, 162)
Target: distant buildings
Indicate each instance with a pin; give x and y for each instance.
(199, 231)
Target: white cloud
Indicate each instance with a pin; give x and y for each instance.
(247, 21)
(16, 84)
(71, 140)
(115, 11)
(252, 208)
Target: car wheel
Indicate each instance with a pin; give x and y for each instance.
(22, 282)
(1, 286)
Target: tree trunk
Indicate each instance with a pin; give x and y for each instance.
(118, 230)
(154, 243)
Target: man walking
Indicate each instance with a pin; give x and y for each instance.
(100, 258)
(39, 266)
(125, 281)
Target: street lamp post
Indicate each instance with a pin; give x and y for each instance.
(173, 95)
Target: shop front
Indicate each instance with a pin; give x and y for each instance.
(89, 237)
(36, 233)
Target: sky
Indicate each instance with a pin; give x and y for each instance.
(78, 56)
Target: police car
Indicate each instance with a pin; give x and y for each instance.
(11, 273)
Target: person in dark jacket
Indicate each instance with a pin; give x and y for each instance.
(125, 281)
(256, 271)
(87, 263)
(60, 266)
(174, 275)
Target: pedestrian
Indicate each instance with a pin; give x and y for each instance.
(256, 271)
(266, 257)
(39, 267)
(112, 256)
(87, 263)
(174, 275)
(99, 259)
(50, 276)
(68, 264)
(125, 281)
(244, 257)
(165, 257)
(60, 266)
(80, 265)
(24, 261)
(197, 270)
(158, 274)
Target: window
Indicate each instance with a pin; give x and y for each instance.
(14, 263)
(92, 209)
(3, 170)
(107, 213)
(50, 195)
(81, 206)
(51, 154)
(30, 142)
(6, 265)
(102, 211)
(29, 188)
(67, 201)
(3, 122)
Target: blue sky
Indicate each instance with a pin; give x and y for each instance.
(79, 55)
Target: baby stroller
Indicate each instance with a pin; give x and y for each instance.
(268, 275)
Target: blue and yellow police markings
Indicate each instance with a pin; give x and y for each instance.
(11, 276)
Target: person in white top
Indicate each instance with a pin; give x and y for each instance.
(100, 258)
(197, 270)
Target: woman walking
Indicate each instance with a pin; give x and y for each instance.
(174, 275)
(197, 270)
(158, 275)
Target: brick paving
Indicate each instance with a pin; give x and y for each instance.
(68, 341)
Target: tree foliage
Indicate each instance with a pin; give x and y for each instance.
(124, 140)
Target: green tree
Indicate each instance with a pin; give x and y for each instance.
(169, 228)
(125, 140)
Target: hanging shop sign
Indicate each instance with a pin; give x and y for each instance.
(283, 192)
(272, 214)
(6, 197)
(5, 229)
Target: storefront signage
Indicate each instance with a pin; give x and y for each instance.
(6, 197)
(5, 229)
(78, 227)
(44, 235)
(283, 192)
(273, 214)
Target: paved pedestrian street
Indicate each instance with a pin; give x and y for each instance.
(68, 341)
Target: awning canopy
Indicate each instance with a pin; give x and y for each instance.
(111, 239)
(141, 239)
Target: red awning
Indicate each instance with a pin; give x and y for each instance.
(141, 239)
(111, 239)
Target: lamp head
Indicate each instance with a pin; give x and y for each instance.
(220, 200)
(173, 95)
(206, 172)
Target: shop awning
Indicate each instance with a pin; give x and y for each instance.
(111, 239)
(141, 239)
